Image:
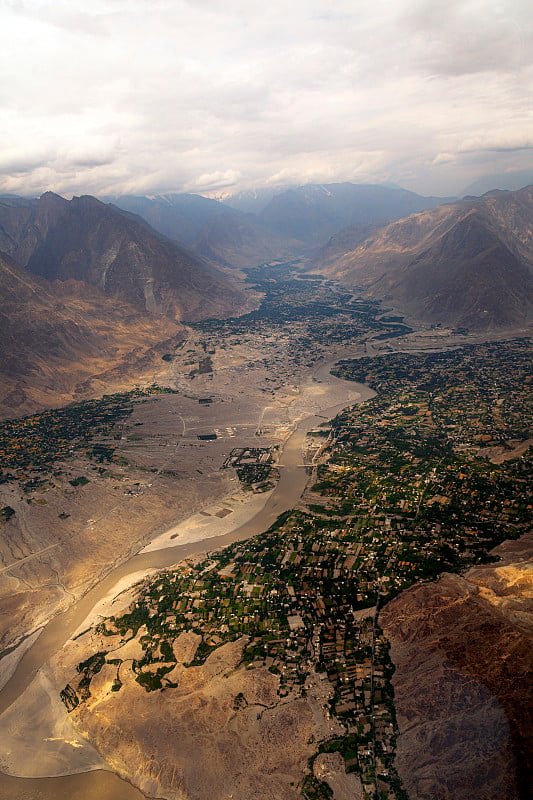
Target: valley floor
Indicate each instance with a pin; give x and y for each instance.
(149, 480)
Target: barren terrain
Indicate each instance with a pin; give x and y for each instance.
(166, 487)
(227, 731)
(453, 692)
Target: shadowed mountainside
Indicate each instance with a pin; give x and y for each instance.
(467, 264)
(91, 241)
(65, 339)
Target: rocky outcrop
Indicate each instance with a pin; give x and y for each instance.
(463, 651)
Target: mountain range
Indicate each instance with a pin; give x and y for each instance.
(259, 226)
(467, 264)
(91, 289)
(92, 241)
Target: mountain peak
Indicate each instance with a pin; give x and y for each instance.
(467, 264)
(91, 241)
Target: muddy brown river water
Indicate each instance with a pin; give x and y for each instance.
(101, 784)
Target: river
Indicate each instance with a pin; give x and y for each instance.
(100, 784)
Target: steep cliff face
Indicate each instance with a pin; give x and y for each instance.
(463, 651)
(24, 223)
(92, 293)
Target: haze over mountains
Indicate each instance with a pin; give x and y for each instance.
(264, 224)
(468, 263)
(314, 212)
(504, 180)
(213, 230)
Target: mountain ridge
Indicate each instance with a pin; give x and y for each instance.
(88, 240)
(468, 264)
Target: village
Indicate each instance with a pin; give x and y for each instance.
(402, 490)
(31, 444)
(426, 477)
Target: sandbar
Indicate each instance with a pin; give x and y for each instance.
(211, 521)
(50, 745)
(117, 599)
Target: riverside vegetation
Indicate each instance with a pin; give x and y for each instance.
(426, 477)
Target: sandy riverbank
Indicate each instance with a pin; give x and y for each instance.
(237, 516)
(117, 599)
(215, 520)
(8, 664)
(50, 745)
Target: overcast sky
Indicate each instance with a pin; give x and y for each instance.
(148, 96)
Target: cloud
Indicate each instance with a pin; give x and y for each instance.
(58, 14)
(192, 94)
(469, 36)
(215, 180)
(503, 144)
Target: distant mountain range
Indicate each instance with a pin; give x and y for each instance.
(512, 181)
(212, 230)
(313, 213)
(255, 227)
(468, 264)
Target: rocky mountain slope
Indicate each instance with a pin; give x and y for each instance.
(91, 241)
(65, 339)
(467, 264)
(212, 230)
(463, 651)
(313, 213)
